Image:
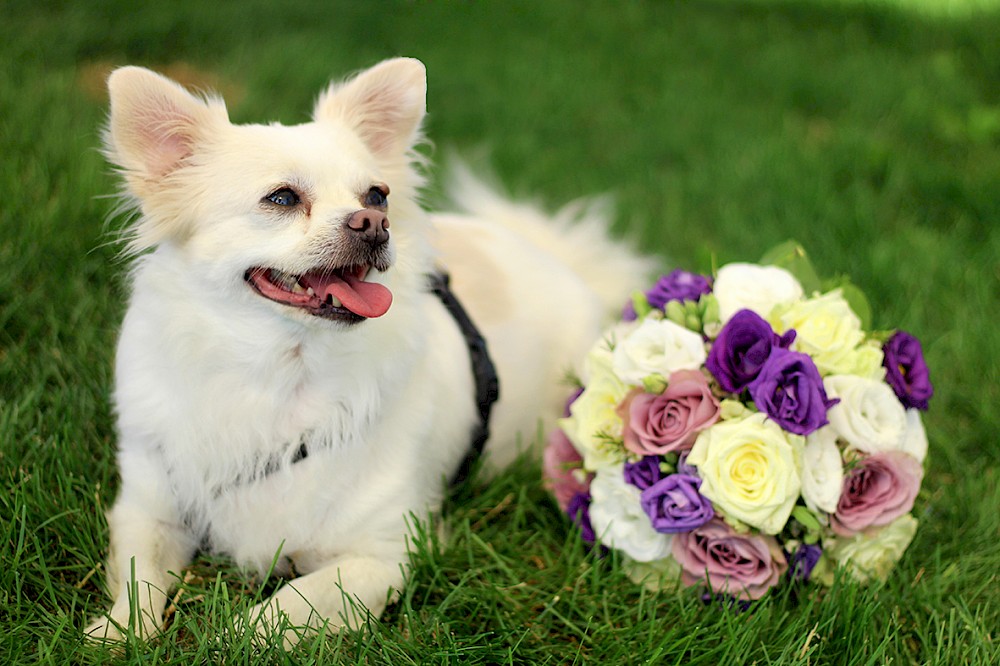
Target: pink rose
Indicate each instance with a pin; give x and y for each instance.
(658, 424)
(562, 467)
(745, 566)
(879, 489)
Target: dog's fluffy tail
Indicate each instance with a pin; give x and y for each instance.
(577, 234)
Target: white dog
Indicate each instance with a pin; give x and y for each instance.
(287, 382)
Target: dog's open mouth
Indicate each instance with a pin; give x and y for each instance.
(341, 294)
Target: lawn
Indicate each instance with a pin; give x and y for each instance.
(868, 131)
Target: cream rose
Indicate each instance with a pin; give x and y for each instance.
(874, 553)
(750, 470)
(826, 328)
(749, 286)
(594, 427)
(869, 416)
(657, 346)
(655, 576)
(866, 361)
(822, 471)
(618, 519)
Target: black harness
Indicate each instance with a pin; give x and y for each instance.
(483, 371)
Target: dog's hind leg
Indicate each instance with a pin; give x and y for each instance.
(341, 594)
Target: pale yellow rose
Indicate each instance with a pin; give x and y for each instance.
(750, 470)
(866, 361)
(594, 426)
(826, 328)
(873, 554)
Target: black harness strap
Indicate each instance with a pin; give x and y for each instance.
(483, 371)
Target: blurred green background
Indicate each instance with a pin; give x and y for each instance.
(868, 131)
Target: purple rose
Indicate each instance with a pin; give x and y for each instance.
(740, 351)
(674, 504)
(745, 566)
(644, 473)
(790, 391)
(726, 602)
(684, 468)
(628, 312)
(906, 371)
(803, 561)
(579, 512)
(570, 400)
(680, 285)
(879, 489)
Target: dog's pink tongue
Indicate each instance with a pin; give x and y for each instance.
(367, 299)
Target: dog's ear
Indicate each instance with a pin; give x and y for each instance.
(384, 104)
(155, 123)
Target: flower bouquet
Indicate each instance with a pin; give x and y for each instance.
(740, 431)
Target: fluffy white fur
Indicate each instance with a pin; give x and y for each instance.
(213, 380)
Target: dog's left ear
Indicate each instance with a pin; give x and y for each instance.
(384, 104)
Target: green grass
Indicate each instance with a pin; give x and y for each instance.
(868, 132)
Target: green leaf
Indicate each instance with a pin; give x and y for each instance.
(641, 304)
(792, 257)
(675, 313)
(859, 303)
(655, 384)
(806, 518)
(855, 298)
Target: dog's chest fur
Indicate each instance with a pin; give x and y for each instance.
(225, 399)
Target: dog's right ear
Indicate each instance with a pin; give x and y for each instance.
(155, 123)
(384, 104)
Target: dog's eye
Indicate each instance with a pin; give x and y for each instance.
(284, 197)
(377, 198)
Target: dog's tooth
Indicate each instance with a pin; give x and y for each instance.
(310, 292)
(297, 288)
(284, 280)
(334, 301)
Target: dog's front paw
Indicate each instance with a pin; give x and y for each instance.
(270, 622)
(119, 624)
(104, 630)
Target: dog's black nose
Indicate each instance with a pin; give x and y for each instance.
(371, 225)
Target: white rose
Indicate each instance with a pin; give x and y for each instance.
(758, 288)
(613, 336)
(750, 470)
(874, 553)
(593, 425)
(869, 416)
(657, 346)
(915, 438)
(822, 471)
(618, 519)
(826, 328)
